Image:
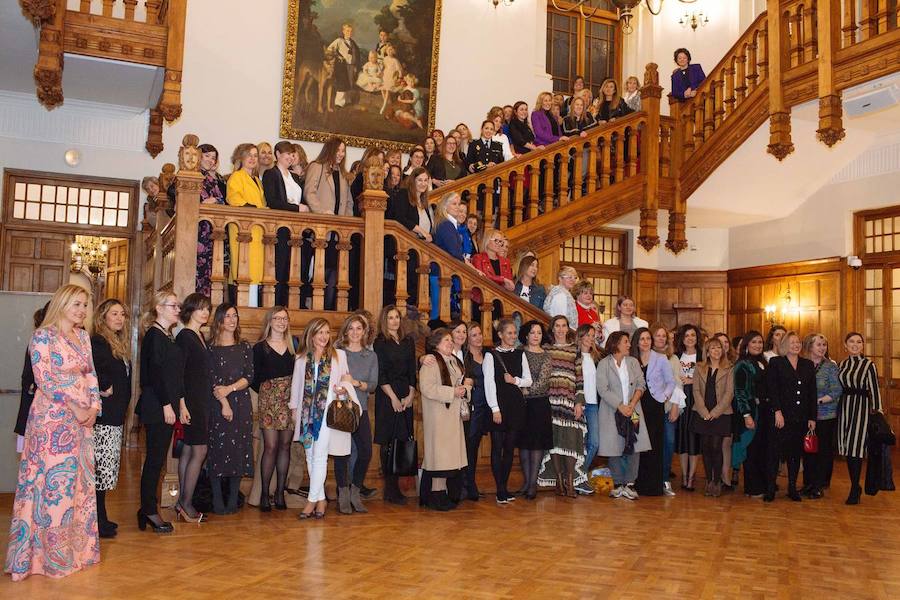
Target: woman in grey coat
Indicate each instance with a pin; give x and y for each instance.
(620, 385)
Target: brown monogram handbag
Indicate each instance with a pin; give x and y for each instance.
(343, 413)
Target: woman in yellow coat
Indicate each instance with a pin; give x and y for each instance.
(442, 389)
(245, 189)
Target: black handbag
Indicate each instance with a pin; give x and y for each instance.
(403, 457)
(880, 431)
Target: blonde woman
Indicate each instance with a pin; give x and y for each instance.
(546, 127)
(266, 157)
(632, 95)
(112, 361)
(447, 238)
(559, 300)
(55, 493)
(245, 189)
(273, 369)
(320, 375)
(162, 389)
(713, 395)
(465, 138)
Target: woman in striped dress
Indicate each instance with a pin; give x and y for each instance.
(563, 465)
(861, 398)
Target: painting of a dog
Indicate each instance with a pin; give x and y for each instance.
(321, 77)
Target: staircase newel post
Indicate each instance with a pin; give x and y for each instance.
(831, 127)
(651, 94)
(780, 144)
(373, 206)
(188, 182)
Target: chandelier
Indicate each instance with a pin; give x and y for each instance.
(89, 252)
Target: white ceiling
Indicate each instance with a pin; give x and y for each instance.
(84, 78)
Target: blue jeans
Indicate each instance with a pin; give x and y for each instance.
(592, 443)
(668, 447)
(624, 468)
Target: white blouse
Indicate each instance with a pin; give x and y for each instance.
(294, 191)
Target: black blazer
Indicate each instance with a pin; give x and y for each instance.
(520, 133)
(481, 153)
(162, 376)
(276, 193)
(111, 371)
(792, 392)
(26, 397)
(608, 113)
(399, 209)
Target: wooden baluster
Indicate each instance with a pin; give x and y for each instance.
(687, 128)
(698, 105)
(799, 35)
(402, 295)
(620, 156)
(547, 188)
(504, 203)
(849, 28)
(604, 161)
(217, 277)
(487, 321)
(108, 8)
(719, 91)
(762, 52)
(343, 283)
(592, 166)
(730, 71)
(129, 9)
(810, 43)
(268, 278)
(519, 182)
(708, 114)
(533, 196)
(444, 295)
(294, 282)
(319, 244)
(488, 205)
(465, 303)
(561, 172)
(665, 150)
(85, 7)
(152, 7)
(752, 64)
(865, 21)
(243, 271)
(576, 175)
(424, 293)
(633, 138)
(883, 15)
(740, 81)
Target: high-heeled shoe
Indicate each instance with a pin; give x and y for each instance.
(163, 527)
(181, 513)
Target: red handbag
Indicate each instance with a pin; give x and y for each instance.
(810, 442)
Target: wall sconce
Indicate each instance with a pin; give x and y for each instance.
(694, 18)
(774, 316)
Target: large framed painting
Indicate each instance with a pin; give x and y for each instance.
(365, 70)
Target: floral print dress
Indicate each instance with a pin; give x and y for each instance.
(54, 517)
(213, 187)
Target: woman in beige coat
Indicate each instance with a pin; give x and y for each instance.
(442, 389)
(713, 393)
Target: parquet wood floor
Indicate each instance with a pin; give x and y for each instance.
(684, 547)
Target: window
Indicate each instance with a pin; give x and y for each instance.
(590, 47)
(600, 259)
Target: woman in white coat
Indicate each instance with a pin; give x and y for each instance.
(320, 374)
(625, 319)
(620, 385)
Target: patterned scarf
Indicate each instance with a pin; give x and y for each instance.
(315, 395)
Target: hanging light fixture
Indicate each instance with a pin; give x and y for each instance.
(497, 3)
(89, 252)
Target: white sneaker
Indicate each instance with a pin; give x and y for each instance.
(617, 491)
(629, 492)
(667, 489)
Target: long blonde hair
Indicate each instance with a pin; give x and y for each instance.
(312, 328)
(440, 212)
(239, 154)
(60, 301)
(118, 340)
(150, 315)
(267, 327)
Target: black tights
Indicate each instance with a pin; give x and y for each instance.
(711, 446)
(189, 464)
(102, 518)
(276, 455)
(531, 465)
(503, 447)
(854, 467)
(219, 504)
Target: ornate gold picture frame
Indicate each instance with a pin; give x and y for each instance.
(364, 70)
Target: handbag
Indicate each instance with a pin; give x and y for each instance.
(403, 457)
(810, 442)
(343, 413)
(880, 431)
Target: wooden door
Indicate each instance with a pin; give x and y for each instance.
(35, 261)
(881, 328)
(117, 271)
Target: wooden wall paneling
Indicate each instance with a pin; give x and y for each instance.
(643, 287)
(117, 271)
(35, 262)
(708, 289)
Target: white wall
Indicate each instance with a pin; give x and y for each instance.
(708, 247)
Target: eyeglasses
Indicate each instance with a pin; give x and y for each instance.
(170, 305)
(500, 242)
(281, 319)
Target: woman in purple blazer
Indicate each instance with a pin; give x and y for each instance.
(546, 129)
(686, 78)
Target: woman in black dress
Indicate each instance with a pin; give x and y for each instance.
(687, 442)
(476, 426)
(273, 370)
(230, 455)
(506, 372)
(110, 349)
(537, 432)
(394, 397)
(713, 394)
(791, 383)
(754, 438)
(162, 388)
(196, 403)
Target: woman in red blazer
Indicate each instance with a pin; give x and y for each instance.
(493, 262)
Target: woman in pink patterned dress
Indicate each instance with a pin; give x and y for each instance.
(54, 518)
